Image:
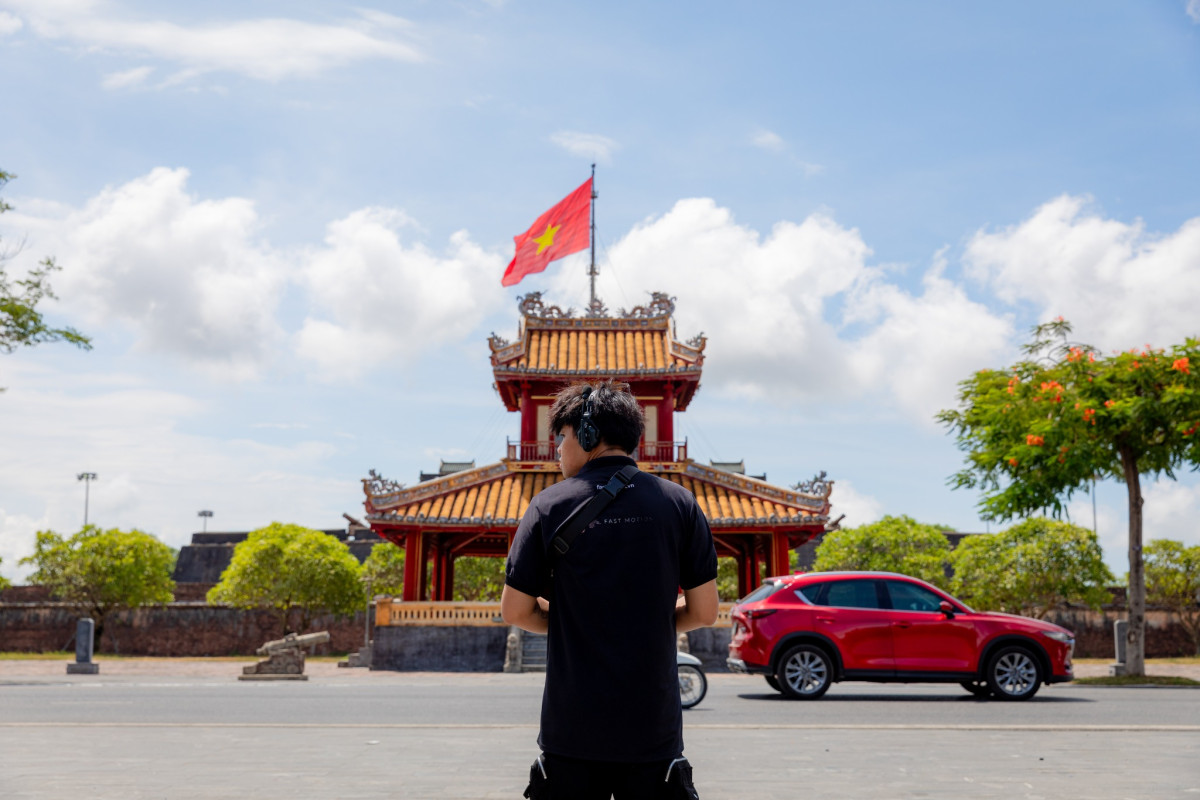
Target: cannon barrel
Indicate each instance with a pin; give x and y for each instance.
(294, 642)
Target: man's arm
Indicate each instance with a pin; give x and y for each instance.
(696, 608)
(527, 612)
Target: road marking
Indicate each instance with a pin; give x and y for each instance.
(699, 727)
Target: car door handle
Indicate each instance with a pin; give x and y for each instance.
(824, 619)
(901, 624)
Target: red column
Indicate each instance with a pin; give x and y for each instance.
(448, 578)
(528, 415)
(414, 566)
(666, 414)
(437, 557)
(780, 563)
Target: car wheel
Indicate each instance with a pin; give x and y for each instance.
(774, 684)
(1014, 673)
(805, 672)
(977, 688)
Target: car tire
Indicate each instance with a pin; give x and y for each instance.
(977, 688)
(774, 684)
(1014, 673)
(805, 672)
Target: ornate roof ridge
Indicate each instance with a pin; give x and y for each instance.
(746, 484)
(390, 493)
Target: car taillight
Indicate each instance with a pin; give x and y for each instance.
(760, 612)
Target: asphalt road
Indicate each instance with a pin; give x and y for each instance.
(472, 736)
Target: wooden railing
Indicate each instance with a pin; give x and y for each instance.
(391, 612)
(548, 451)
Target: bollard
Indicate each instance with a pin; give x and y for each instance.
(1120, 632)
(85, 631)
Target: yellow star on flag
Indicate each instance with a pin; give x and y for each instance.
(547, 238)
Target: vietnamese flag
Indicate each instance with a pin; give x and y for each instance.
(559, 232)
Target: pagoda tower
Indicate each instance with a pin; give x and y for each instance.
(475, 511)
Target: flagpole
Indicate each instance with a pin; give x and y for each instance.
(592, 268)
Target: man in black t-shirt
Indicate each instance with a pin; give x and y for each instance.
(611, 720)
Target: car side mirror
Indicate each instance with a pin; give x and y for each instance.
(947, 609)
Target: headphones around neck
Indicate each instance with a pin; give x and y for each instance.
(588, 434)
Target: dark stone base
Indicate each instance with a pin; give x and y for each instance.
(80, 668)
(434, 648)
(711, 646)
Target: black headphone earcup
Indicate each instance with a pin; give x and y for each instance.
(588, 435)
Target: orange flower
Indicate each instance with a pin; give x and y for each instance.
(1034, 440)
(1012, 461)
(1181, 364)
(1109, 403)
(1088, 414)
(1191, 430)
(1074, 354)
(1091, 358)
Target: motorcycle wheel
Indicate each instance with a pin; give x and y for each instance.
(692, 685)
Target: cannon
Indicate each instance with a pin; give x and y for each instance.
(285, 658)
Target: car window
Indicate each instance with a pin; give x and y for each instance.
(910, 597)
(811, 592)
(851, 594)
(766, 590)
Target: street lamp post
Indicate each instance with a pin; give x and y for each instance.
(204, 515)
(87, 478)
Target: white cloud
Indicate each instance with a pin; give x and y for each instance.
(1193, 10)
(9, 24)
(761, 300)
(768, 140)
(772, 142)
(265, 49)
(921, 347)
(1121, 286)
(770, 306)
(126, 79)
(859, 508)
(184, 274)
(377, 300)
(586, 145)
(151, 474)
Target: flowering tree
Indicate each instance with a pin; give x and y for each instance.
(1044, 428)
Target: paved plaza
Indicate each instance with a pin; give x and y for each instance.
(179, 729)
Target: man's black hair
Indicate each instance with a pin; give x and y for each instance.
(615, 413)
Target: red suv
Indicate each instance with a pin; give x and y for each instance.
(804, 632)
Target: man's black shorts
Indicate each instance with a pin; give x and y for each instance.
(580, 779)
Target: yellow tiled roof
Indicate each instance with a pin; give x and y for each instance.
(598, 350)
(499, 494)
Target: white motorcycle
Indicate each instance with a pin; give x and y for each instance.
(692, 683)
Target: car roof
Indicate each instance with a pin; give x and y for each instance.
(806, 576)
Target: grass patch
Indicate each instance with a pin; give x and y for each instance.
(1137, 680)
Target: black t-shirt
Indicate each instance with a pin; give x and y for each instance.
(612, 688)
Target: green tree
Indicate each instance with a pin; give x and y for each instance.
(1047, 426)
(1173, 580)
(478, 578)
(103, 571)
(727, 579)
(291, 570)
(21, 324)
(1031, 567)
(383, 571)
(4, 582)
(893, 544)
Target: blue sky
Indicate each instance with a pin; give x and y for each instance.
(284, 224)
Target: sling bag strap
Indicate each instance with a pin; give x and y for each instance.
(586, 514)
